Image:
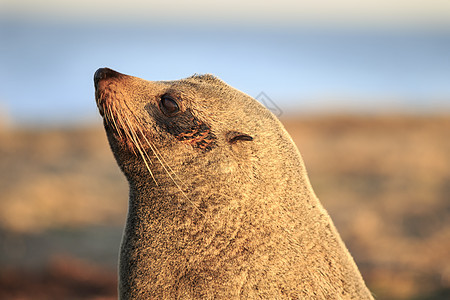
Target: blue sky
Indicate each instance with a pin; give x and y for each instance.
(307, 56)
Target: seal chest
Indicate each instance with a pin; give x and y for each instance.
(220, 203)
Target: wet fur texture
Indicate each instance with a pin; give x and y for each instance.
(220, 203)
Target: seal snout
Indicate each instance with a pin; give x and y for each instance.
(104, 73)
(103, 87)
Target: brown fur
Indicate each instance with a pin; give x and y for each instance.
(220, 203)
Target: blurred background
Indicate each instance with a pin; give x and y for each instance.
(362, 86)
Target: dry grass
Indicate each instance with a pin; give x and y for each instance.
(385, 181)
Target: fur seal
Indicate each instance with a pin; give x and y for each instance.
(220, 205)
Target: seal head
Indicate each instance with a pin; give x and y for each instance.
(220, 203)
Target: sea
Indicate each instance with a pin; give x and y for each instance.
(46, 68)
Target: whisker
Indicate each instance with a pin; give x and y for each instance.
(125, 123)
(114, 121)
(158, 154)
(166, 166)
(140, 142)
(127, 134)
(136, 142)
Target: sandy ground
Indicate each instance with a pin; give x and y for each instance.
(385, 180)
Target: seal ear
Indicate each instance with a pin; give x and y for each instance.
(234, 136)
